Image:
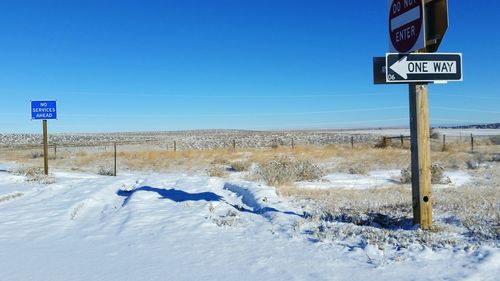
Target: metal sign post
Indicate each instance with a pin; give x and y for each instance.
(44, 110)
(45, 149)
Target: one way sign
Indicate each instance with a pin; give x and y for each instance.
(423, 67)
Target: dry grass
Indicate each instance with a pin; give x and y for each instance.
(335, 158)
(240, 166)
(216, 171)
(475, 208)
(11, 196)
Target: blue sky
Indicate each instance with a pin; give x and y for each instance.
(247, 64)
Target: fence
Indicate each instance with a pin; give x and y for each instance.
(473, 141)
(108, 157)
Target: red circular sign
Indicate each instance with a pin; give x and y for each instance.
(405, 24)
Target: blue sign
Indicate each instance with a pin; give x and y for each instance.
(43, 110)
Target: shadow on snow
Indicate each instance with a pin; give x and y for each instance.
(182, 196)
(172, 194)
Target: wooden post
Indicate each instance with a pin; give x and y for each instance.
(402, 140)
(114, 170)
(420, 155)
(55, 151)
(293, 144)
(352, 142)
(471, 143)
(384, 142)
(175, 146)
(444, 142)
(45, 149)
(234, 144)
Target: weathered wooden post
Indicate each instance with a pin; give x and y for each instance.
(444, 142)
(420, 155)
(114, 170)
(293, 144)
(402, 140)
(471, 143)
(55, 151)
(234, 144)
(175, 146)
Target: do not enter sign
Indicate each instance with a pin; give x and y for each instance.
(406, 25)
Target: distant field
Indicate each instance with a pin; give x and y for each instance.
(210, 139)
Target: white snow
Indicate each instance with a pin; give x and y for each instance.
(172, 226)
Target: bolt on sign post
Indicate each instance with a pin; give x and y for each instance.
(44, 110)
(417, 27)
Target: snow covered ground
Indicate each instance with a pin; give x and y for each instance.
(174, 226)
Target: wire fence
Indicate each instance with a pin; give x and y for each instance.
(107, 157)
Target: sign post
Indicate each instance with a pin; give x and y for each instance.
(44, 110)
(420, 155)
(417, 26)
(45, 149)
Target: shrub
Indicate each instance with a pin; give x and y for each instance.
(358, 170)
(495, 157)
(105, 171)
(34, 174)
(307, 171)
(277, 171)
(382, 143)
(437, 175)
(240, 166)
(473, 164)
(433, 134)
(219, 161)
(405, 175)
(495, 140)
(36, 154)
(283, 170)
(216, 171)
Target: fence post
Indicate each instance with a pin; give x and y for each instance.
(114, 170)
(293, 144)
(352, 142)
(444, 142)
(472, 143)
(384, 141)
(55, 151)
(234, 144)
(402, 140)
(175, 146)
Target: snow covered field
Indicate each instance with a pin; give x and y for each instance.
(179, 226)
(211, 139)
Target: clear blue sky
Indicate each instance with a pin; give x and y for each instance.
(249, 64)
